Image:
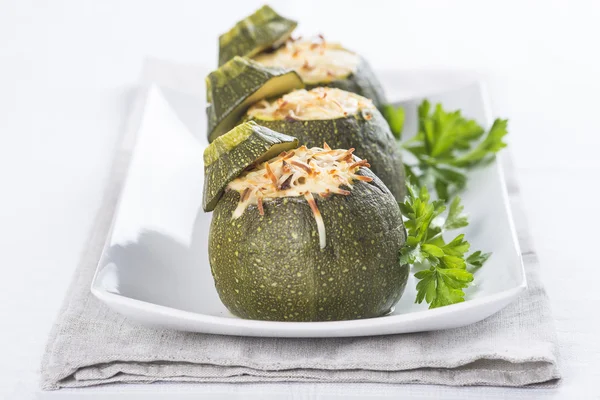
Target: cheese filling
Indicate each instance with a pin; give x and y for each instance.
(300, 172)
(316, 104)
(316, 61)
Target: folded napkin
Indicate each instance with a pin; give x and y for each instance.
(91, 345)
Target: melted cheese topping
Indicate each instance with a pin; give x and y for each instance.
(300, 172)
(316, 61)
(316, 104)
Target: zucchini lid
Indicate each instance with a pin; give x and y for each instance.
(239, 83)
(260, 31)
(246, 145)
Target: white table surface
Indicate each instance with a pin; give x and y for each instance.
(66, 69)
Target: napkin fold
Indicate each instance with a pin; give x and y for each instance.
(91, 345)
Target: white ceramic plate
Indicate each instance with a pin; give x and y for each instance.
(154, 267)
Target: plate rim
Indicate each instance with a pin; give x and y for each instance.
(111, 299)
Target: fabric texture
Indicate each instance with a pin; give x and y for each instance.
(91, 345)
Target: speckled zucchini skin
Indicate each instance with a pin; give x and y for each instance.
(271, 267)
(371, 138)
(362, 82)
(233, 84)
(259, 31)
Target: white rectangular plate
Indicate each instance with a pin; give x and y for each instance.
(154, 267)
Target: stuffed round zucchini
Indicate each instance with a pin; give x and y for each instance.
(342, 119)
(309, 235)
(265, 36)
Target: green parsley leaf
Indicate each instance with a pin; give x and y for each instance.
(441, 287)
(443, 131)
(447, 181)
(485, 150)
(456, 219)
(457, 247)
(441, 267)
(412, 255)
(395, 118)
(446, 145)
(477, 259)
(433, 250)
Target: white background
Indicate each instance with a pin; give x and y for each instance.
(66, 68)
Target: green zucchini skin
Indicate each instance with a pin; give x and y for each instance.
(371, 138)
(363, 82)
(271, 267)
(255, 33)
(234, 84)
(258, 143)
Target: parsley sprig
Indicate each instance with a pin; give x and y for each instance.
(442, 267)
(446, 145)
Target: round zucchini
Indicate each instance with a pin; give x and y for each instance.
(233, 152)
(321, 63)
(271, 258)
(236, 85)
(260, 31)
(342, 120)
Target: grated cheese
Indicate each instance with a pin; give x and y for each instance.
(300, 172)
(316, 104)
(316, 61)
